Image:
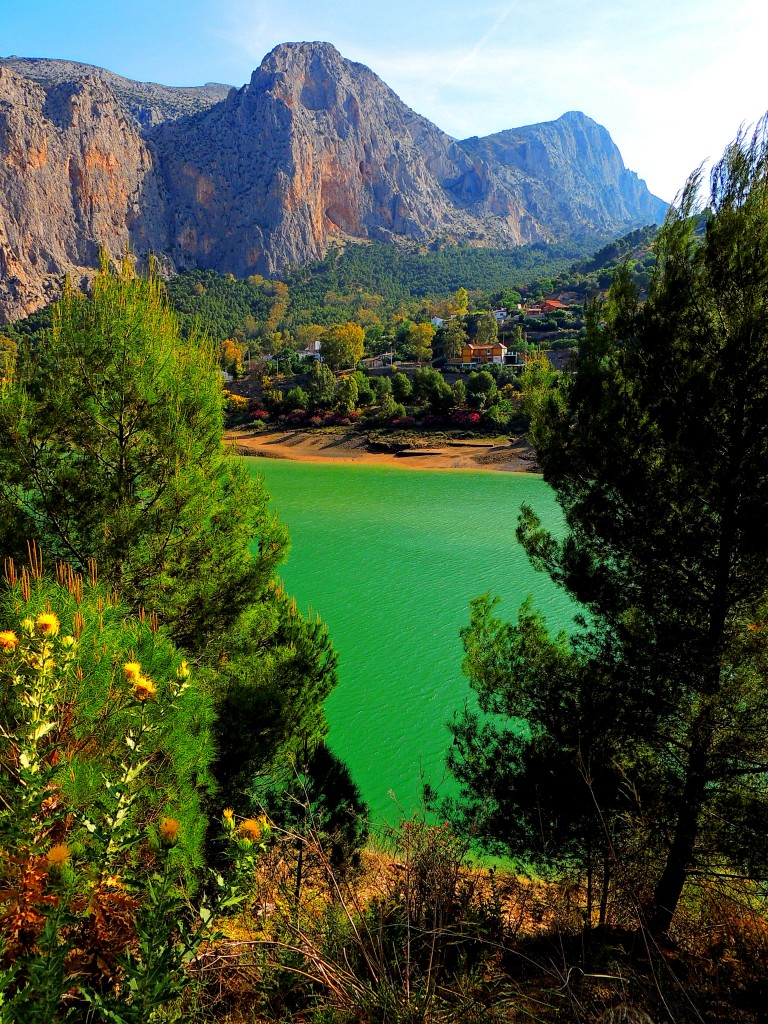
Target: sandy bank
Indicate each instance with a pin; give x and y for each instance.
(516, 456)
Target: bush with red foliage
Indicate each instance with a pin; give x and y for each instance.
(463, 418)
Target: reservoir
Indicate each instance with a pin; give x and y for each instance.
(390, 559)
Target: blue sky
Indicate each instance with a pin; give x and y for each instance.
(671, 80)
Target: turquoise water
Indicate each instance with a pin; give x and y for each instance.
(390, 558)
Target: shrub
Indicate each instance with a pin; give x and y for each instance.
(295, 418)
(104, 757)
(432, 420)
(497, 417)
(465, 419)
(295, 399)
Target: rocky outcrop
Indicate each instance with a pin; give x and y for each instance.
(570, 176)
(75, 174)
(315, 148)
(146, 103)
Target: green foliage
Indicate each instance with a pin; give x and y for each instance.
(295, 398)
(543, 396)
(429, 386)
(319, 803)
(498, 416)
(346, 395)
(111, 448)
(451, 338)
(483, 329)
(459, 390)
(74, 672)
(342, 345)
(419, 341)
(105, 750)
(321, 385)
(218, 305)
(365, 393)
(335, 288)
(390, 409)
(276, 671)
(401, 387)
(9, 351)
(481, 389)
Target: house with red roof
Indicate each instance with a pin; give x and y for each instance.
(473, 353)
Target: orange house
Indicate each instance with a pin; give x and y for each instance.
(473, 353)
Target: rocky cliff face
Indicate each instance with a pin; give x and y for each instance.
(570, 176)
(314, 148)
(146, 103)
(74, 175)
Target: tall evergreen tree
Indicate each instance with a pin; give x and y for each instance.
(658, 454)
(111, 447)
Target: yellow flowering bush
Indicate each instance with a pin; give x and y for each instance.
(104, 759)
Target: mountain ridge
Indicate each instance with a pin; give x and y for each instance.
(313, 149)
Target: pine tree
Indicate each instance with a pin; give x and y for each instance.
(658, 454)
(111, 448)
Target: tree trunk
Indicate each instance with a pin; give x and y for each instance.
(680, 855)
(606, 887)
(670, 885)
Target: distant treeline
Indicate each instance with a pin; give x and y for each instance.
(378, 285)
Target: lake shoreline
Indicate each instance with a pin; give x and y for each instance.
(515, 456)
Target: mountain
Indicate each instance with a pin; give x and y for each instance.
(147, 103)
(314, 149)
(570, 175)
(75, 173)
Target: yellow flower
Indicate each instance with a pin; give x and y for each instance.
(132, 671)
(169, 831)
(251, 829)
(58, 855)
(144, 689)
(228, 815)
(8, 640)
(182, 672)
(47, 624)
(28, 625)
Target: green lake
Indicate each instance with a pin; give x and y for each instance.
(390, 558)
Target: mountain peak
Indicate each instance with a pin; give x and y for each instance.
(293, 51)
(316, 148)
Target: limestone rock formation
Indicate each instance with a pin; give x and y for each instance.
(570, 175)
(75, 174)
(315, 148)
(147, 103)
